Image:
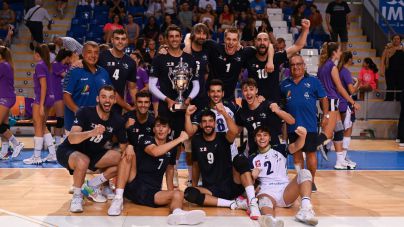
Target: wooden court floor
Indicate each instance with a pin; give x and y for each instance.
(44, 192)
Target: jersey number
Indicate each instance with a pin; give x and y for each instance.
(256, 124)
(96, 139)
(220, 125)
(262, 74)
(268, 163)
(116, 74)
(228, 67)
(210, 157)
(161, 160)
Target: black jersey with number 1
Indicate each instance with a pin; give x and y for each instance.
(120, 70)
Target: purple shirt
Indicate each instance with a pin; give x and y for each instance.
(56, 79)
(6, 81)
(324, 75)
(41, 70)
(346, 79)
(142, 78)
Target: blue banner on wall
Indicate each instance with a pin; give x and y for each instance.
(393, 11)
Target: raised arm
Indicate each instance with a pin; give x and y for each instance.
(190, 128)
(282, 114)
(158, 150)
(301, 41)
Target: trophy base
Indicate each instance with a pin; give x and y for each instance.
(178, 107)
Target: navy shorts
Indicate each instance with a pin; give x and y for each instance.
(309, 143)
(63, 153)
(141, 193)
(229, 191)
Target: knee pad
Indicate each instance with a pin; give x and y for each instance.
(193, 195)
(338, 136)
(3, 128)
(241, 163)
(304, 175)
(265, 202)
(60, 121)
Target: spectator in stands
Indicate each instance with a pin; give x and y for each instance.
(337, 17)
(185, 17)
(167, 22)
(7, 41)
(34, 18)
(44, 100)
(296, 19)
(226, 18)
(7, 101)
(69, 43)
(258, 7)
(155, 9)
(60, 67)
(52, 51)
(368, 77)
(170, 8)
(151, 29)
(116, 7)
(151, 51)
(391, 66)
(132, 29)
(242, 20)
(61, 7)
(110, 27)
(140, 47)
(7, 16)
(248, 34)
(208, 17)
(280, 44)
(137, 3)
(161, 40)
(204, 3)
(316, 20)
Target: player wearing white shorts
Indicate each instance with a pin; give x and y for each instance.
(270, 168)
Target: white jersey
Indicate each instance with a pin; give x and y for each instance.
(273, 165)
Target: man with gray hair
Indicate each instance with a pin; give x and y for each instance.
(69, 43)
(34, 18)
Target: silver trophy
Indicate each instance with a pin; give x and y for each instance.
(180, 77)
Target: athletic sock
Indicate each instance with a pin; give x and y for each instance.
(119, 193)
(76, 191)
(177, 211)
(224, 202)
(97, 181)
(49, 142)
(14, 141)
(345, 142)
(4, 147)
(340, 157)
(38, 145)
(249, 190)
(344, 153)
(306, 202)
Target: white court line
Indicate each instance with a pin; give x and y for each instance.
(26, 218)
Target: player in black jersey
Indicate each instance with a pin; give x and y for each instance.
(268, 83)
(140, 179)
(211, 157)
(120, 67)
(254, 114)
(88, 146)
(226, 61)
(139, 122)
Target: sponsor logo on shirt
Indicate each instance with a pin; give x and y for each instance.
(125, 66)
(85, 90)
(306, 95)
(203, 149)
(307, 85)
(258, 163)
(170, 64)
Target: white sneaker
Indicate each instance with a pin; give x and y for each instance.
(341, 165)
(116, 207)
(33, 160)
(93, 193)
(4, 156)
(253, 211)
(50, 158)
(239, 203)
(307, 215)
(401, 145)
(192, 217)
(269, 221)
(351, 164)
(17, 150)
(76, 205)
(108, 193)
(397, 140)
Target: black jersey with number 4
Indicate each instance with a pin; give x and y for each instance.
(87, 118)
(120, 70)
(226, 67)
(214, 158)
(163, 67)
(260, 116)
(138, 130)
(151, 169)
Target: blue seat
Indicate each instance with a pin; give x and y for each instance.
(134, 10)
(98, 9)
(81, 8)
(96, 29)
(79, 30)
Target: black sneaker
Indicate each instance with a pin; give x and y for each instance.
(313, 188)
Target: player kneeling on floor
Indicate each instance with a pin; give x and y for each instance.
(140, 177)
(270, 168)
(86, 147)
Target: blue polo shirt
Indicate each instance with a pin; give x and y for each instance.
(301, 101)
(83, 86)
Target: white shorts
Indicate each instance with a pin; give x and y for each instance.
(234, 150)
(276, 192)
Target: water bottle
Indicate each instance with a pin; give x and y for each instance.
(21, 108)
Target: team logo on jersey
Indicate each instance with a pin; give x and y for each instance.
(203, 149)
(85, 90)
(289, 95)
(205, 57)
(109, 129)
(307, 85)
(287, 85)
(237, 59)
(250, 119)
(222, 58)
(75, 120)
(111, 63)
(263, 115)
(125, 66)
(168, 154)
(170, 64)
(306, 95)
(258, 163)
